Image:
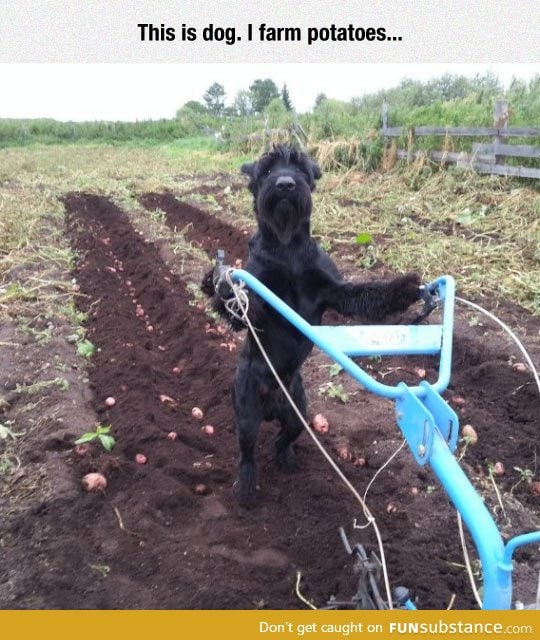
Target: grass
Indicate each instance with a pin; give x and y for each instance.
(483, 230)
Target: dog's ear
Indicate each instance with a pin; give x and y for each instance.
(248, 169)
(316, 170)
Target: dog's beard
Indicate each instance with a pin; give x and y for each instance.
(285, 218)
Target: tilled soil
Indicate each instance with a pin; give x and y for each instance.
(169, 533)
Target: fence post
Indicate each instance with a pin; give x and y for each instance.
(500, 120)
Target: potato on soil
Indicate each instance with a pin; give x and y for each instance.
(94, 482)
(200, 489)
(498, 469)
(520, 367)
(320, 423)
(197, 413)
(140, 458)
(208, 430)
(110, 401)
(469, 433)
(165, 399)
(344, 453)
(82, 450)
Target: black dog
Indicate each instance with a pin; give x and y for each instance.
(284, 256)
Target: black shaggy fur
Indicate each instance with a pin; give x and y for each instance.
(284, 256)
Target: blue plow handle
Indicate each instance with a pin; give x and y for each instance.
(342, 342)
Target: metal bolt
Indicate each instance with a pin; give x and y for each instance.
(421, 450)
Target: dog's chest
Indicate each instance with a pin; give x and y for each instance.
(296, 289)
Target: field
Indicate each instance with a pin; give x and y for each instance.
(102, 250)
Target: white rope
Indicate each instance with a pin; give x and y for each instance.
(468, 560)
(527, 357)
(509, 332)
(243, 303)
(375, 476)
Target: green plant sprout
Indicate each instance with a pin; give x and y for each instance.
(85, 348)
(331, 390)
(102, 569)
(334, 370)
(101, 435)
(525, 475)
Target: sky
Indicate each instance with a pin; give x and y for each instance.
(150, 91)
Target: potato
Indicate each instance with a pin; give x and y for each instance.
(110, 401)
(344, 452)
(140, 458)
(200, 489)
(498, 469)
(469, 433)
(208, 430)
(197, 413)
(320, 423)
(94, 482)
(82, 450)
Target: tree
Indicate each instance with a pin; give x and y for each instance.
(242, 103)
(262, 93)
(196, 106)
(214, 98)
(277, 114)
(321, 97)
(286, 98)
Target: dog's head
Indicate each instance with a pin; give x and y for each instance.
(281, 182)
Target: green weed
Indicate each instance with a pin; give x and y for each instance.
(334, 391)
(101, 435)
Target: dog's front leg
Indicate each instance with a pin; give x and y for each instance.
(291, 425)
(374, 300)
(249, 415)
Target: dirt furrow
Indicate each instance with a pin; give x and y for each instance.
(151, 540)
(202, 228)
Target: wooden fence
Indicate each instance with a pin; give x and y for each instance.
(484, 158)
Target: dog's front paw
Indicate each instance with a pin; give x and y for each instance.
(406, 290)
(286, 459)
(246, 485)
(207, 284)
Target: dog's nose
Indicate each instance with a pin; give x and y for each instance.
(285, 183)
